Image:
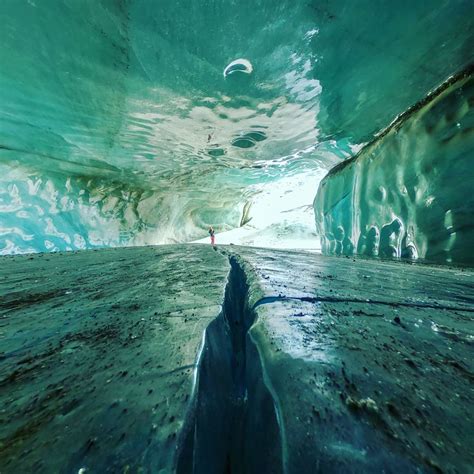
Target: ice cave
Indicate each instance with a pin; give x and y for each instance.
(329, 144)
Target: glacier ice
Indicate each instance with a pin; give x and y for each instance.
(131, 122)
(127, 102)
(408, 193)
(143, 360)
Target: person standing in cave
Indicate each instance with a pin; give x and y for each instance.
(211, 233)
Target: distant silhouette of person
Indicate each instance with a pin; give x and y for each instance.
(209, 138)
(211, 233)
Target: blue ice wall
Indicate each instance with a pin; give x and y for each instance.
(409, 193)
(45, 211)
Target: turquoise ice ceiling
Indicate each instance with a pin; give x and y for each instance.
(117, 124)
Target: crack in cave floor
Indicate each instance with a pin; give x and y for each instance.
(344, 370)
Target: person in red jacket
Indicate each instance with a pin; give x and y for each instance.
(211, 233)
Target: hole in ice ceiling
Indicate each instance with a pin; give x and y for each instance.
(243, 142)
(249, 139)
(257, 135)
(239, 65)
(216, 151)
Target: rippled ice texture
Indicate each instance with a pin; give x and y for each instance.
(408, 193)
(118, 125)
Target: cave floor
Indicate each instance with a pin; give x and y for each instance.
(186, 358)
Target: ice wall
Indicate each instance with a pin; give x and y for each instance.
(408, 193)
(42, 210)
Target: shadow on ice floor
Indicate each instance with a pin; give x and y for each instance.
(193, 359)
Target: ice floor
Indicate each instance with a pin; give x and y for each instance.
(194, 359)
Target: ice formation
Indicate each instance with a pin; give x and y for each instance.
(126, 123)
(239, 65)
(129, 122)
(408, 193)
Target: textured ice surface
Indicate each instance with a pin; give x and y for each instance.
(104, 367)
(97, 370)
(358, 356)
(409, 192)
(117, 125)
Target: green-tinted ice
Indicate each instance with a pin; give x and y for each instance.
(118, 125)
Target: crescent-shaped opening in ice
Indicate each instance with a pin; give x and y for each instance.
(239, 65)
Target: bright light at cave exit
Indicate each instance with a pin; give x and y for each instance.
(281, 215)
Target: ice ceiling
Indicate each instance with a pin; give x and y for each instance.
(120, 124)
